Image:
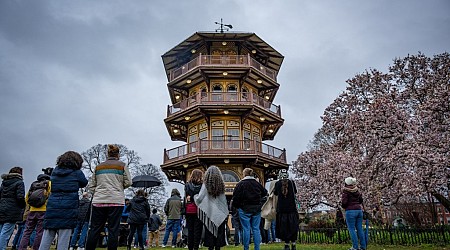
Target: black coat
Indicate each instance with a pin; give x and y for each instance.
(84, 209)
(139, 210)
(12, 198)
(248, 195)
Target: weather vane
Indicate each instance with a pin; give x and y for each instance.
(223, 27)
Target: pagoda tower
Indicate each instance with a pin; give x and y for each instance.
(222, 86)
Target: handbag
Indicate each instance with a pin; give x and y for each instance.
(191, 208)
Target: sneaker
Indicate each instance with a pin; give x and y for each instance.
(70, 248)
(80, 248)
(173, 246)
(163, 245)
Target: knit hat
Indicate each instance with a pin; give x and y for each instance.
(283, 174)
(350, 181)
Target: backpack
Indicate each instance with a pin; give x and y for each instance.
(38, 195)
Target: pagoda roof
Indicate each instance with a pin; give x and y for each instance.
(249, 40)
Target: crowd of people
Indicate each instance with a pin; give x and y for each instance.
(53, 206)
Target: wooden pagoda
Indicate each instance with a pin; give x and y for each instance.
(222, 87)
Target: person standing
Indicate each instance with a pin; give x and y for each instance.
(107, 183)
(287, 219)
(153, 227)
(139, 212)
(352, 203)
(194, 224)
(172, 208)
(62, 206)
(213, 208)
(84, 210)
(12, 203)
(247, 197)
(35, 218)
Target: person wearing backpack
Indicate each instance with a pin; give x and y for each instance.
(35, 218)
(62, 206)
(12, 203)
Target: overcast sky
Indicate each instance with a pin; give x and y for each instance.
(77, 73)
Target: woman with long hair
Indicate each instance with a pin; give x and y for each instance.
(213, 208)
(194, 224)
(287, 219)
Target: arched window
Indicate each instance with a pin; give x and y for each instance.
(230, 176)
(232, 92)
(217, 95)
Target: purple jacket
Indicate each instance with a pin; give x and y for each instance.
(351, 198)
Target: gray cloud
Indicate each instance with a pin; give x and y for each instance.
(77, 73)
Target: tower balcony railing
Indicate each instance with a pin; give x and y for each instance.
(219, 60)
(224, 98)
(224, 147)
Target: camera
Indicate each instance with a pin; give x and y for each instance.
(48, 171)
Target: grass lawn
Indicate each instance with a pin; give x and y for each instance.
(279, 246)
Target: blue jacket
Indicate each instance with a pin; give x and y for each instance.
(62, 204)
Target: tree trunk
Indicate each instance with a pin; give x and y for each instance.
(444, 201)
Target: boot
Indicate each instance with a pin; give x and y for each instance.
(129, 247)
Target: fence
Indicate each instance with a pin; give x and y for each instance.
(439, 235)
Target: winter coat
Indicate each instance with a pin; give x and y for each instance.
(173, 207)
(139, 210)
(12, 198)
(84, 209)
(351, 198)
(110, 178)
(154, 223)
(191, 189)
(286, 204)
(248, 195)
(62, 204)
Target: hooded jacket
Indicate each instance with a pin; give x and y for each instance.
(351, 198)
(139, 210)
(62, 204)
(173, 206)
(12, 198)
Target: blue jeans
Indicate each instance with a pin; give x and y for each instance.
(144, 236)
(174, 227)
(6, 229)
(354, 220)
(271, 234)
(81, 228)
(18, 236)
(250, 221)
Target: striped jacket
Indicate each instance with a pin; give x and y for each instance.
(109, 180)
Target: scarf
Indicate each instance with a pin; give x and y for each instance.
(211, 211)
